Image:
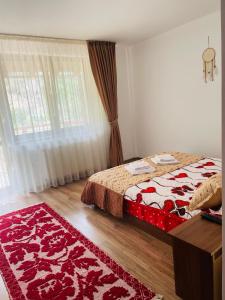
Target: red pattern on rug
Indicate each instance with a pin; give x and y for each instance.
(43, 257)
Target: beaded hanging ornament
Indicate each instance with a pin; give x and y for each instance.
(209, 63)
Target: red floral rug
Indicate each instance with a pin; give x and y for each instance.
(43, 257)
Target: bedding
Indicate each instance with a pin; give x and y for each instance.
(106, 189)
(208, 195)
(160, 198)
(163, 200)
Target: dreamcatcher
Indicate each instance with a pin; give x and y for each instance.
(209, 63)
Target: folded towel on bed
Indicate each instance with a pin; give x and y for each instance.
(139, 167)
(164, 159)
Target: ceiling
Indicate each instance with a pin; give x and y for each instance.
(127, 21)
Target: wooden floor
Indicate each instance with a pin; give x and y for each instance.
(145, 257)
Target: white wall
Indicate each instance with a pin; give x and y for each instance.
(125, 100)
(175, 108)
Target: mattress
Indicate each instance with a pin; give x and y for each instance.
(163, 201)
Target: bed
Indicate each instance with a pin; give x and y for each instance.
(157, 202)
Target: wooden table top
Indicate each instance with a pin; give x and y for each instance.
(201, 233)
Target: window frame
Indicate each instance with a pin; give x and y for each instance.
(52, 104)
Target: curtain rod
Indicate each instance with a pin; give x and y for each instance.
(36, 37)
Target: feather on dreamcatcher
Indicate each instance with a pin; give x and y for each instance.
(209, 63)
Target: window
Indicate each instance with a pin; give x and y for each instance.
(67, 89)
(47, 93)
(54, 126)
(27, 102)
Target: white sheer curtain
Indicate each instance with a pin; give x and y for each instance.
(52, 123)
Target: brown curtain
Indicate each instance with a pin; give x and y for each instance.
(103, 64)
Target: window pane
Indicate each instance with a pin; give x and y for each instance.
(27, 102)
(70, 99)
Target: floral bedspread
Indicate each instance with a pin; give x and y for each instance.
(163, 201)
